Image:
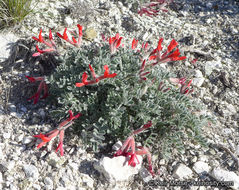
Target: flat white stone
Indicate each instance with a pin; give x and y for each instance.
(117, 168)
(182, 172)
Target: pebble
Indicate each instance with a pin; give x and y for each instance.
(182, 172)
(200, 167)
(31, 171)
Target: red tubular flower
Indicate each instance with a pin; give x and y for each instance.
(168, 55)
(42, 51)
(60, 146)
(132, 160)
(42, 86)
(73, 41)
(134, 44)
(185, 88)
(150, 10)
(40, 39)
(60, 130)
(145, 126)
(142, 151)
(106, 73)
(114, 43)
(96, 79)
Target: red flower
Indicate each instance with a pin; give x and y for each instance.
(42, 86)
(59, 130)
(95, 79)
(185, 88)
(40, 39)
(150, 10)
(74, 42)
(114, 43)
(168, 55)
(134, 44)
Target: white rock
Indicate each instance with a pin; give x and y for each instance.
(68, 21)
(31, 171)
(200, 167)
(117, 168)
(27, 140)
(198, 81)
(6, 135)
(1, 180)
(182, 172)
(49, 183)
(223, 175)
(209, 66)
(6, 39)
(87, 181)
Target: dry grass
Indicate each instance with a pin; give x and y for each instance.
(14, 11)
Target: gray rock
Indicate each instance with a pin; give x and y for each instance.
(117, 146)
(31, 171)
(182, 172)
(223, 175)
(27, 140)
(209, 66)
(117, 168)
(145, 174)
(48, 183)
(200, 167)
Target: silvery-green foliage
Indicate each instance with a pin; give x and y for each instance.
(114, 107)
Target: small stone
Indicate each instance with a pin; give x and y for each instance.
(23, 109)
(90, 34)
(6, 135)
(162, 162)
(198, 81)
(31, 171)
(117, 168)
(49, 183)
(145, 174)
(12, 108)
(200, 167)
(87, 181)
(19, 138)
(182, 172)
(68, 21)
(223, 175)
(42, 113)
(36, 186)
(73, 165)
(54, 160)
(117, 146)
(27, 140)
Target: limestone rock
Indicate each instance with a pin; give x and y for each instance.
(117, 168)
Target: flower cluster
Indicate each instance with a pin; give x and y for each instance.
(95, 79)
(128, 149)
(42, 86)
(60, 130)
(52, 45)
(153, 7)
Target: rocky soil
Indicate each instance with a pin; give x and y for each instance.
(207, 30)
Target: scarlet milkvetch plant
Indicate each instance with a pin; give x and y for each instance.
(136, 90)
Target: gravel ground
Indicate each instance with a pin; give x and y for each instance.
(206, 30)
